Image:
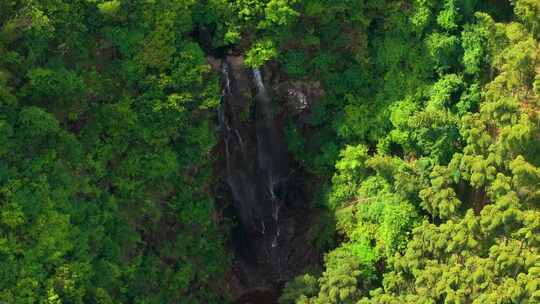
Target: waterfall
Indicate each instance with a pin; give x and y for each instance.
(258, 81)
(240, 179)
(275, 216)
(272, 157)
(226, 77)
(275, 213)
(223, 125)
(257, 172)
(241, 143)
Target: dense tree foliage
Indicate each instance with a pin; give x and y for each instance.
(425, 143)
(444, 209)
(106, 140)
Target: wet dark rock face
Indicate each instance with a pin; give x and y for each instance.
(271, 239)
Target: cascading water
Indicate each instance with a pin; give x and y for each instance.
(239, 179)
(226, 77)
(258, 81)
(271, 239)
(241, 143)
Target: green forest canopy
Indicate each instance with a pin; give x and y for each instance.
(426, 144)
